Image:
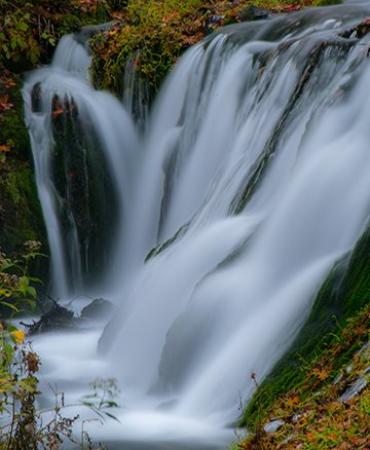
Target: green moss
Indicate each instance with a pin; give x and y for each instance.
(20, 214)
(344, 293)
(327, 2)
(13, 130)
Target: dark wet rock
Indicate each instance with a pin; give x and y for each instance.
(273, 426)
(354, 389)
(98, 309)
(56, 318)
(36, 98)
(359, 31)
(254, 13)
(86, 33)
(216, 19)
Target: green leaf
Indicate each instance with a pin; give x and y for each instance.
(10, 306)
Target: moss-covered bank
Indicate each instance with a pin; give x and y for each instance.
(344, 294)
(330, 407)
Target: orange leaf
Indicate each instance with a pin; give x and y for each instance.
(292, 401)
(5, 148)
(321, 374)
(57, 112)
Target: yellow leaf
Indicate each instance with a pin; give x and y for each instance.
(18, 336)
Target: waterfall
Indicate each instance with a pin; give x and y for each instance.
(85, 150)
(248, 184)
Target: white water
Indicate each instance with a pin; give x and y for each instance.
(230, 294)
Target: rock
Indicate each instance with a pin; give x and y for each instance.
(36, 98)
(98, 309)
(273, 426)
(56, 318)
(364, 350)
(87, 32)
(216, 19)
(355, 389)
(254, 13)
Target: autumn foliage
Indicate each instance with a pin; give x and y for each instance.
(157, 32)
(314, 416)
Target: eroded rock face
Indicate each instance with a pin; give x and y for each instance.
(57, 317)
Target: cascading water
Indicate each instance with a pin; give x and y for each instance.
(85, 149)
(251, 181)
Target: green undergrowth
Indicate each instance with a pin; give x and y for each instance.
(30, 29)
(345, 292)
(313, 413)
(20, 216)
(20, 212)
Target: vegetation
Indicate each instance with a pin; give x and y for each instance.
(313, 414)
(22, 426)
(328, 355)
(30, 29)
(17, 292)
(152, 34)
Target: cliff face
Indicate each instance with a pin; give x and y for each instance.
(147, 37)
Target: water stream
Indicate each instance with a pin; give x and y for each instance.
(250, 178)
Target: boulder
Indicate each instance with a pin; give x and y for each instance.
(273, 426)
(56, 318)
(98, 309)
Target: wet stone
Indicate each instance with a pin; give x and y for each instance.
(98, 309)
(273, 426)
(355, 389)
